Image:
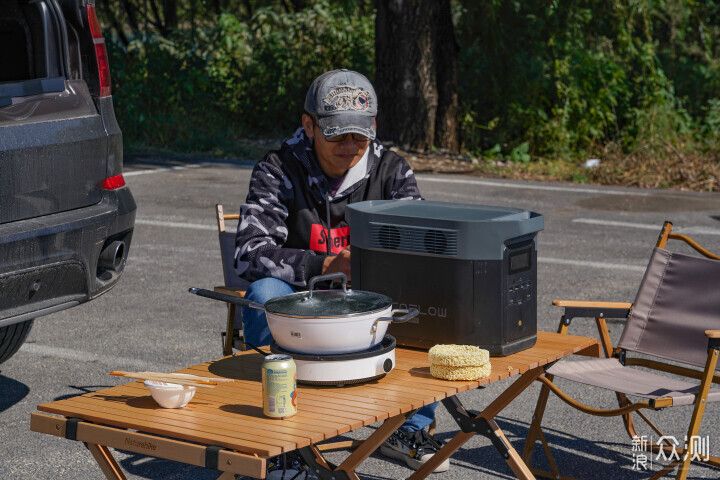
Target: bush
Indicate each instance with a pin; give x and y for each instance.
(201, 89)
(163, 95)
(573, 77)
(627, 81)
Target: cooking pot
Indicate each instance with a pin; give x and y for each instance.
(325, 321)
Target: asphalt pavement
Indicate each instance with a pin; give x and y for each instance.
(595, 246)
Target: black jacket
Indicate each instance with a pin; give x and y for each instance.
(283, 228)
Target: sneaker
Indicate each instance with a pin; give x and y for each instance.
(415, 448)
(288, 466)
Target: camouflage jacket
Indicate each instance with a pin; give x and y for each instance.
(290, 223)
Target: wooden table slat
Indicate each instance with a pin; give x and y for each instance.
(105, 418)
(297, 425)
(189, 419)
(230, 415)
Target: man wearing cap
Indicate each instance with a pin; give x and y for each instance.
(292, 226)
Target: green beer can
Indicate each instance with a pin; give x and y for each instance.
(279, 386)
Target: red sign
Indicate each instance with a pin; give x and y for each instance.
(339, 239)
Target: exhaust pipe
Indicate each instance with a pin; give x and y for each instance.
(111, 257)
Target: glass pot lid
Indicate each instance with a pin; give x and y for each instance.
(328, 303)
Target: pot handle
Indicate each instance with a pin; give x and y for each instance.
(328, 276)
(409, 315)
(226, 298)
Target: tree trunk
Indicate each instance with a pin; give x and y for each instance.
(416, 77)
(158, 23)
(131, 12)
(447, 132)
(170, 14)
(298, 5)
(109, 13)
(405, 73)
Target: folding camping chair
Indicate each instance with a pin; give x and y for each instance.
(233, 334)
(674, 325)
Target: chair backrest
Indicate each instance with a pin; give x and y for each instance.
(227, 250)
(678, 299)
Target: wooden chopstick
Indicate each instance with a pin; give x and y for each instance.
(181, 379)
(166, 379)
(188, 376)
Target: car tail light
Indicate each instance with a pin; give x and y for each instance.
(113, 183)
(100, 52)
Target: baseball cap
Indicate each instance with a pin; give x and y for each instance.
(343, 102)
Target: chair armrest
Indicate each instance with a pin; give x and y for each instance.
(584, 309)
(712, 333)
(713, 339)
(597, 310)
(585, 304)
(230, 291)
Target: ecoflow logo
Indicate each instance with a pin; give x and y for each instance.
(430, 311)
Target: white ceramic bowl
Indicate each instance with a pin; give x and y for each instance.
(170, 395)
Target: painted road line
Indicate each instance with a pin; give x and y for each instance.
(648, 226)
(163, 169)
(162, 223)
(527, 186)
(556, 261)
(586, 264)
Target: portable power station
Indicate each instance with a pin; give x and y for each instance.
(471, 270)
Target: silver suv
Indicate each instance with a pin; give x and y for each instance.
(66, 216)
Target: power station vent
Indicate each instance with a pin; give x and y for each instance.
(413, 239)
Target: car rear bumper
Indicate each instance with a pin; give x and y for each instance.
(50, 263)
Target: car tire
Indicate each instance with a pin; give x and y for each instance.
(12, 337)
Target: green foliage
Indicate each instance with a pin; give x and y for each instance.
(521, 153)
(570, 77)
(538, 82)
(162, 95)
(201, 89)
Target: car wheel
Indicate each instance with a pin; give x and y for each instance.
(11, 337)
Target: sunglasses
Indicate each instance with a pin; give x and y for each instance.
(357, 138)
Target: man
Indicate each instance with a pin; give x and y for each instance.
(292, 226)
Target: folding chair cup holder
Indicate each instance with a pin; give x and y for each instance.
(673, 326)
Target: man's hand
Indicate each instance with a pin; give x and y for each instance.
(338, 263)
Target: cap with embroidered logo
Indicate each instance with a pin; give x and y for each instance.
(343, 102)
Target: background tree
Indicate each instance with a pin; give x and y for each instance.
(416, 73)
(541, 86)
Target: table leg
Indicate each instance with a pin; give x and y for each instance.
(106, 461)
(448, 449)
(513, 458)
(535, 431)
(519, 386)
(346, 470)
(483, 424)
(323, 469)
(372, 443)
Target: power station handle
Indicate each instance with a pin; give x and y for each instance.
(409, 315)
